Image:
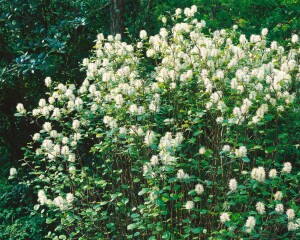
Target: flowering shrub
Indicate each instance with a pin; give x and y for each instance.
(180, 135)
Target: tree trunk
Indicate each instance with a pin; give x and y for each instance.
(117, 16)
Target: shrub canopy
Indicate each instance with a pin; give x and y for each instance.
(185, 134)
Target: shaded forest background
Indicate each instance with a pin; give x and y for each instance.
(41, 38)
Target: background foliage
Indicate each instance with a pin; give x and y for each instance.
(49, 38)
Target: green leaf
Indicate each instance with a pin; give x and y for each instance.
(197, 230)
(143, 191)
(102, 203)
(166, 235)
(271, 149)
(257, 147)
(208, 152)
(132, 226)
(135, 215)
(49, 220)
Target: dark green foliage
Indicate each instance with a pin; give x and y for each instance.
(16, 204)
(40, 38)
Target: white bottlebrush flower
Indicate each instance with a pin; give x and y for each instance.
(141, 110)
(233, 184)
(150, 53)
(293, 226)
(255, 119)
(226, 148)
(182, 175)
(241, 152)
(20, 108)
(295, 38)
(122, 130)
(202, 150)
(71, 158)
(139, 45)
(56, 150)
(72, 169)
(47, 126)
(51, 100)
(167, 159)
(42, 199)
(163, 32)
(166, 141)
(45, 111)
(258, 174)
(280, 108)
(279, 208)
(106, 77)
(38, 152)
(69, 198)
(147, 169)
(250, 224)
(77, 136)
(255, 38)
(133, 109)
(224, 217)
(36, 137)
(189, 205)
(56, 113)
(73, 143)
(136, 130)
(13, 172)
(47, 144)
(154, 160)
(62, 87)
(243, 39)
(53, 134)
(287, 167)
(59, 202)
(208, 105)
(260, 207)
(118, 37)
(153, 106)
(48, 81)
(290, 214)
(94, 108)
(278, 196)
(219, 119)
(110, 38)
(78, 103)
(273, 173)
(199, 189)
(93, 89)
(178, 139)
(264, 32)
(42, 103)
(274, 45)
(65, 140)
(194, 8)
(75, 124)
(65, 150)
(36, 112)
(178, 11)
